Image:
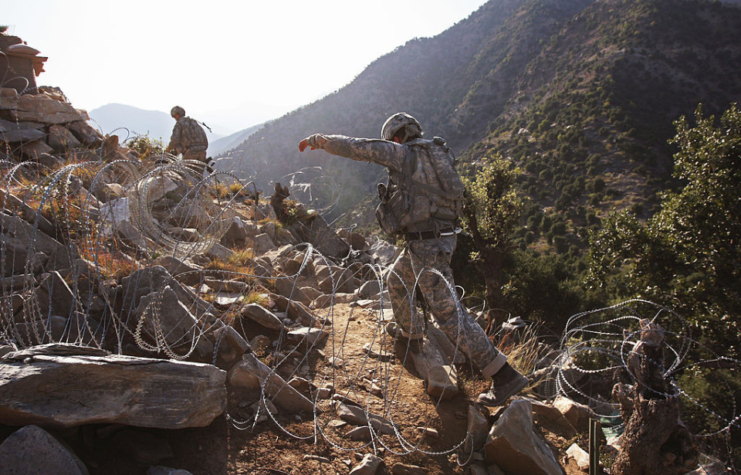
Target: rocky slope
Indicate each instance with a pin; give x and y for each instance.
(150, 316)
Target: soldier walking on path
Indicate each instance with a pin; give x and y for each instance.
(422, 202)
(188, 138)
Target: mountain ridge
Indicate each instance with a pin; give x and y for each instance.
(591, 88)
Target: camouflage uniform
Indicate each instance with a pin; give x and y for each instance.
(188, 138)
(423, 263)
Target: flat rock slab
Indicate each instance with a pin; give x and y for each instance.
(308, 335)
(68, 391)
(263, 316)
(41, 108)
(12, 132)
(356, 416)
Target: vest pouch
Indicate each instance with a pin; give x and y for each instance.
(390, 213)
(445, 214)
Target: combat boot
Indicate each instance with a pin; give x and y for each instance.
(414, 344)
(505, 383)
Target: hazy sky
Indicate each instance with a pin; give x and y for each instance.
(234, 63)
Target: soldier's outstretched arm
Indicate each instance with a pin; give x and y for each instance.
(382, 152)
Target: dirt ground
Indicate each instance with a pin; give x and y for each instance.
(323, 448)
(296, 443)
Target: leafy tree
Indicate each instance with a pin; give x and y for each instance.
(491, 212)
(687, 255)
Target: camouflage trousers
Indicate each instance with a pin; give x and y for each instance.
(199, 159)
(425, 265)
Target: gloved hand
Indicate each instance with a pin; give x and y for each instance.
(314, 141)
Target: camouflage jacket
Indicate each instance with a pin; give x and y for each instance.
(433, 191)
(187, 136)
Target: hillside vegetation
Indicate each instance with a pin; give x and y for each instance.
(579, 95)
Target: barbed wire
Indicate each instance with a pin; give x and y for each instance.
(109, 247)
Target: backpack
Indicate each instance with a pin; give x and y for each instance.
(408, 205)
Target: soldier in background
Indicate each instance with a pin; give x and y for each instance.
(188, 138)
(422, 202)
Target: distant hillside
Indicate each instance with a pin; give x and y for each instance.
(580, 94)
(134, 121)
(217, 147)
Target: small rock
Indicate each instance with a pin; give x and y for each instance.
(368, 466)
(336, 362)
(159, 470)
(580, 456)
(404, 469)
(476, 469)
(429, 432)
(260, 343)
(577, 414)
(359, 433)
(261, 410)
(478, 427)
(303, 385)
(382, 355)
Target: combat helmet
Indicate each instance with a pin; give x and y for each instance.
(177, 110)
(399, 121)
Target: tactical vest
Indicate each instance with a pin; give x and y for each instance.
(409, 205)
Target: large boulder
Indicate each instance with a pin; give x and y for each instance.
(238, 233)
(61, 139)
(167, 320)
(262, 243)
(287, 287)
(8, 99)
(25, 245)
(516, 448)
(54, 296)
(68, 391)
(31, 449)
(154, 279)
(315, 230)
(86, 134)
(231, 346)
(42, 108)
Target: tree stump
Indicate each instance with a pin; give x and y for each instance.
(656, 441)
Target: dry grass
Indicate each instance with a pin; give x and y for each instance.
(221, 191)
(236, 189)
(112, 263)
(525, 353)
(239, 263)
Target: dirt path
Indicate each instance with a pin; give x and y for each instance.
(267, 447)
